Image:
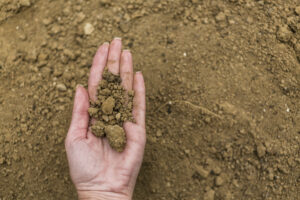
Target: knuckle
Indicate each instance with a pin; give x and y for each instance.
(112, 61)
(126, 73)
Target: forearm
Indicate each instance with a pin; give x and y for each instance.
(99, 195)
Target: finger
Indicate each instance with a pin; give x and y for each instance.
(136, 138)
(114, 54)
(139, 100)
(99, 63)
(126, 71)
(134, 151)
(80, 116)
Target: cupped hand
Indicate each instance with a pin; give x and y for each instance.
(98, 171)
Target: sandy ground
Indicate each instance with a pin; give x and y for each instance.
(223, 88)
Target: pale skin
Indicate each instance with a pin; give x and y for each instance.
(98, 171)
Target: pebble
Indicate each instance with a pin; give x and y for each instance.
(124, 27)
(168, 184)
(68, 75)
(205, 20)
(93, 111)
(61, 87)
(270, 174)
(108, 105)
(57, 72)
(207, 120)
(249, 19)
(67, 11)
(158, 133)
(131, 93)
(187, 151)
(219, 181)
(297, 47)
(42, 57)
(2, 160)
(282, 169)
(216, 170)
(25, 2)
(69, 54)
(201, 171)
(80, 17)
(78, 8)
(22, 36)
(118, 116)
(88, 29)
(209, 195)
(297, 10)
(46, 21)
(291, 162)
(261, 150)
(32, 55)
(284, 34)
(105, 118)
(220, 17)
(55, 29)
(231, 21)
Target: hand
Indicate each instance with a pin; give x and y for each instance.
(98, 171)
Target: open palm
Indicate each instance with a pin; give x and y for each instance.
(97, 170)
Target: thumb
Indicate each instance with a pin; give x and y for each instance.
(80, 115)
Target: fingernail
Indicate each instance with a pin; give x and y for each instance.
(78, 85)
(126, 50)
(139, 72)
(117, 38)
(105, 43)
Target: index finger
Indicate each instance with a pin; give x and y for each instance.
(99, 63)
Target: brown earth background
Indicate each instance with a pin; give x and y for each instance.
(223, 88)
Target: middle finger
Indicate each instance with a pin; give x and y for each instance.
(114, 54)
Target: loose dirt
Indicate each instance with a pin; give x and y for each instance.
(112, 108)
(223, 87)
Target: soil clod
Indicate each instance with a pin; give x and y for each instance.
(111, 109)
(116, 137)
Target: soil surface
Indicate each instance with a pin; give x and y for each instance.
(223, 89)
(112, 108)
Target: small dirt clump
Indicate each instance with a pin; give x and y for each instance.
(111, 109)
(116, 137)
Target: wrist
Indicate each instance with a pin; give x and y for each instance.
(100, 195)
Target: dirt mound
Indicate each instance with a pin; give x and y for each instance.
(112, 108)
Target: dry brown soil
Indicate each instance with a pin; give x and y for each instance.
(112, 108)
(223, 89)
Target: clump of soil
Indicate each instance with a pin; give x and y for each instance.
(111, 109)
